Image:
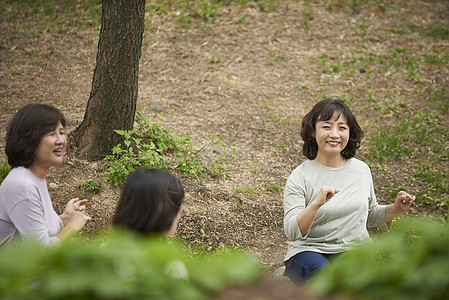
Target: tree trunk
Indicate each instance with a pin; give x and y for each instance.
(113, 97)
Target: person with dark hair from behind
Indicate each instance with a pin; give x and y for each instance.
(35, 142)
(329, 199)
(150, 202)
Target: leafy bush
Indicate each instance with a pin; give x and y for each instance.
(151, 146)
(130, 155)
(118, 266)
(410, 262)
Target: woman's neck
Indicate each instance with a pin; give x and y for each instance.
(332, 162)
(38, 171)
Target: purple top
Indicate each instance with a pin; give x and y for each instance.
(26, 210)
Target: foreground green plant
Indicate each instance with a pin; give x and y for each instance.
(410, 262)
(119, 266)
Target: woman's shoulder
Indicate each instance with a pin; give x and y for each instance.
(358, 164)
(306, 167)
(21, 179)
(18, 173)
(306, 164)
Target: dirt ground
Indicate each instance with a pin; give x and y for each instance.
(239, 87)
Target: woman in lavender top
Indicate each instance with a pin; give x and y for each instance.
(35, 142)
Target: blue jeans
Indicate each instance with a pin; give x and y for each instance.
(300, 267)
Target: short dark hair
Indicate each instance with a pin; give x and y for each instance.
(323, 111)
(149, 202)
(26, 129)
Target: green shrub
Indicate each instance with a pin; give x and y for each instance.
(119, 266)
(130, 155)
(151, 146)
(411, 262)
(5, 168)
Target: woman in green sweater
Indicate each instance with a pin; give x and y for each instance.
(329, 199)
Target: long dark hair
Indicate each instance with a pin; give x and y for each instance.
(149, 202)
(323, 111)
(26, 129)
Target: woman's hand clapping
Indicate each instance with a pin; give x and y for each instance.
(74, 205)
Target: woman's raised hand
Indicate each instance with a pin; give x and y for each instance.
(79, 205)
(325, 194)
(74, 205)
(306, 217)
(403, 201)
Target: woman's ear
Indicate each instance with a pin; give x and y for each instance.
(313, 133)
(174, 224)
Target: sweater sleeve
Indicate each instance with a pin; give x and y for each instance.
(376, 212)
(294, 203)
(28, 218)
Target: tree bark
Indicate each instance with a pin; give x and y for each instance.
(113, 97)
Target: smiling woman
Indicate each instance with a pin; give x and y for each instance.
(35, 142)
(329, 199)
(331, 136)
(49, 152)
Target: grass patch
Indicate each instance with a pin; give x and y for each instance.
(438, 97)
(53, 16)
(435, 31)
(249, 191)
(435, 178)
(404, 29)
(347, 6)
(273, 188)
(417, 137)
(391, 142)
(409, 134)
(397, 59)
(92, 186)
(187, 11)
(435, 59)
